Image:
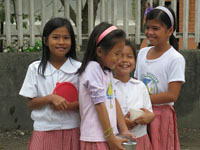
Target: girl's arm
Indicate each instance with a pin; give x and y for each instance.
(146, 118)
(57, 102)
(120, 118)
(130, 123)
(38, 102)
(114, 142)
(73, 106)
(166, 97)
(121, 123)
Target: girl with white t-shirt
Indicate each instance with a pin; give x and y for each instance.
(162, 69)
(133, 98)
(100, 111)
(56, 121)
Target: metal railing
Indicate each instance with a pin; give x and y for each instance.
(104, 14)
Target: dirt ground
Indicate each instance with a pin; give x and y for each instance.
(18, 139)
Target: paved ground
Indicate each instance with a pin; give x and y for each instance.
(18, 139)
(189, 139)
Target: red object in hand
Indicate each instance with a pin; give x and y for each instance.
(66, 90)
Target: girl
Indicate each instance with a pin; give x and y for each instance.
(132, 94)
(100, 111)
(56, 121)
(162, 69)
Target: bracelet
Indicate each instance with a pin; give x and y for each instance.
(108, 132)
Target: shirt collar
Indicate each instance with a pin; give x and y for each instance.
(132, 80)
(70, 66)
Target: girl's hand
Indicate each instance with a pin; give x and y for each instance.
(115, 143)
(128, 135)
(146, 118)
(130, 123)
(58, 103)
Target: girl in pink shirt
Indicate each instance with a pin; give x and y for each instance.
(100, 111)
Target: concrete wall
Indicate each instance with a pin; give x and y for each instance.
(14, 112)
(188, 105)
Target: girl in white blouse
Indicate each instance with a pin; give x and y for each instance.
(133, 98)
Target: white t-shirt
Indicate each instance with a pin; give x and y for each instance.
(35, 85)
(133, 95)
(96, 86)
(157, 73)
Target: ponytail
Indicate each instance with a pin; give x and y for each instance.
(173, 41)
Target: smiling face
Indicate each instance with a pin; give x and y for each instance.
(111, 59)
(157, 33)
(126, 65)
(59, 43)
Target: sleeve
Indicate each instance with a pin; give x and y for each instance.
(29, 87)
(146, 12)
(93, 81)
(177, 70)
(136, 67)
(136, 71)
(146, 98)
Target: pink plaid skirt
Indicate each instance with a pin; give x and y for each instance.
(55, 140)
(163, 129)
(144, 143)
(94, 145)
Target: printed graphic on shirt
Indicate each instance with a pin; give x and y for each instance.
(110, 94)
(151, 82)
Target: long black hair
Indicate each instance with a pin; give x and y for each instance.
(49, 27)
(160, 15)
(106, 43)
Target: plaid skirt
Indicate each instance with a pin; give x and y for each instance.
(55, 140)
(94, 145)
(144, 143)
(163, 129)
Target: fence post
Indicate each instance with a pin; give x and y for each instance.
(185, 23)
(67, 9)
(43, 15)
(32, 24)
(125, 17)
(138, 21)
(55, 5)
(20, 23)
(161, 2)
(197, 21)
(107, 12)
(114, 12)
(90, 16)
(102, 12)
(7, 19)
(79, 22)
(174, 7)
(151, 3)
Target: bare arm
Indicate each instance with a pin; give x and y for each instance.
(38, 102)
(146, 118)
(122, 124)
(120, 118)
(170, 96)
(114, 142)
(144, 19)
(57, 102)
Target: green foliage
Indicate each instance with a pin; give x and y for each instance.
(36, 48)
(37, 17)
(11, 49)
